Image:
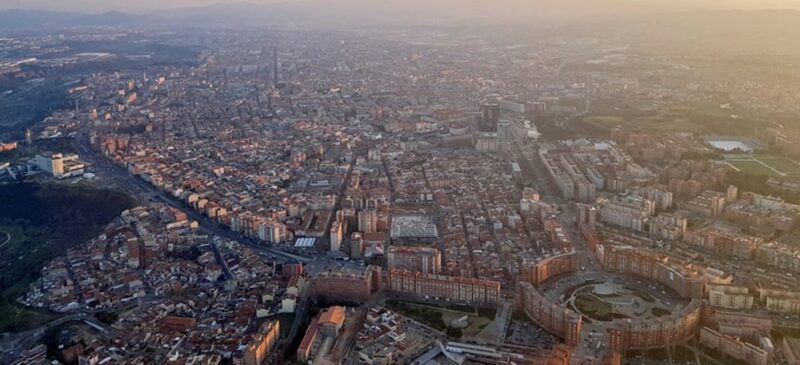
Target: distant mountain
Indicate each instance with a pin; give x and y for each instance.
(655, 20)
(342, 13)
(720, 32)
(18, 19)
(33, 19)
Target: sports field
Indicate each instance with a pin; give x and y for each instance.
(771, 166)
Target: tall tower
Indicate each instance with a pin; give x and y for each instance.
(732, 193)
(588, 94)
(275, 67)
(505, 134)
(491, 113)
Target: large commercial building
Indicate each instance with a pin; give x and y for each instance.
(331, 320)
(349, 286)
(441, 287)
(427, 260)
(414, 227)
(60, 165)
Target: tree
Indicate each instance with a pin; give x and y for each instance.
(454, 332)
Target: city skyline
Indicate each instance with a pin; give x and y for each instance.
(410, 182)
(471, 8)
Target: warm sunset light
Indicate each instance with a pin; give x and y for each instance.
(413, 182)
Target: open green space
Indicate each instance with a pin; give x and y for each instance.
(691, 118)
(428, 315)
(660, 354)
(753, 168)
(660, 312)
(440, 316)
(781, 332)
(682, 354)
(592, 306)
(758, 184)
(15, 317)
(782, 164)
(44, 222)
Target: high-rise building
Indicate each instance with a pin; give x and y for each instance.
(356, 246)
(336, 235)
(262, 343)
(587, 215)
(505, 134)
(630, 211)
(732, 194)
(60, 165)
(368, 221)
(275, 67)
(491, 113)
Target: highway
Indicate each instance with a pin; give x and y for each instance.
(7, 238)
(15, 344)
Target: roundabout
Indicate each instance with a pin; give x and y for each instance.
(619, 297)
(641, 306)
(5, 238)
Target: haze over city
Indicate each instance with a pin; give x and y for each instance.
(422, 182)
(476, 8)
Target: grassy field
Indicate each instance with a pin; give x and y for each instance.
(657, 354)
(440, 316)
(660, 312)
(14, 317)
(44, 222)
(753, 168)
(592, 305)
(782, 164)
(682, 354)
(693, 119)
(770, 166)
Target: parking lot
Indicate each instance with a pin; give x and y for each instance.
(525, 333)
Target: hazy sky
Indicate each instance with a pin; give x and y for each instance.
(96, 6)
